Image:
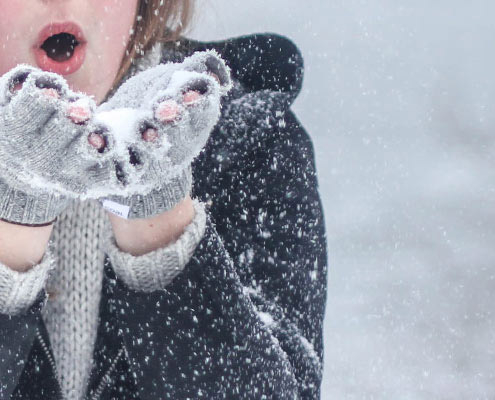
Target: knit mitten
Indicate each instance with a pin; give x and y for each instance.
(160, 120)
(45, 156)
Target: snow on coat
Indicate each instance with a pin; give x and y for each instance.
(244, 318)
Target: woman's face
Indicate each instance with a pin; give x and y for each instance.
(84, 40)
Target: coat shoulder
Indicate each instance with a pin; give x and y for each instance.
(260, 61)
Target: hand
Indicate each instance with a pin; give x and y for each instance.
(160, 120)
(45, 155)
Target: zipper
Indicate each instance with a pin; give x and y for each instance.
(44, 346)
(106, 378)
(103, 383)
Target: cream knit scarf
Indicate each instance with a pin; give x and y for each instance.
(71, 316)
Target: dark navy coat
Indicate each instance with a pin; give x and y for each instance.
(243, 320)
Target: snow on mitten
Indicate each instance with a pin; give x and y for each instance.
(160, 120)
(45, 156)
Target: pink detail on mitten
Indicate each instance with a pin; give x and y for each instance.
(191, 97)
(150, 135)
(96, 140)
(78, 113)
(50, 92)
(167, 111)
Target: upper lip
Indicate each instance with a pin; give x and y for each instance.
(56, 28)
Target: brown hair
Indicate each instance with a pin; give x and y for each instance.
(156, 21)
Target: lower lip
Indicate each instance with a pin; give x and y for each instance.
(61, 67)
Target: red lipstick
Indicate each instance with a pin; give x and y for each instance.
(64, 64)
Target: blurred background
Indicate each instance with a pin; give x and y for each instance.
(399, 99)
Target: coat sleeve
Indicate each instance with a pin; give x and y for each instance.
(244, 317)
(22, 297)
(17, 334)
(273, 229)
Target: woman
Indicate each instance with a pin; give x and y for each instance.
(218, 297)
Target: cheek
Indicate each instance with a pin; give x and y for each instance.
(10, 10)
(12, 21)
(117, 18)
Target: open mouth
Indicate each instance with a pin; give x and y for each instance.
(61, 48)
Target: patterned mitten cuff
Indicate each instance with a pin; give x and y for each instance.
(155, 270)
(19, 207)
(19, 290)
(155, 202)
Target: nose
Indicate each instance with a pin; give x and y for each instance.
(55, 4)
(61, 10)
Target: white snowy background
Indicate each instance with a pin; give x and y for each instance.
(399, 98)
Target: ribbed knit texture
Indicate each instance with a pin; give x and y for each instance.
(72, 269)
(18, 290)
(81, 236)
(71, 315)
(27, 208)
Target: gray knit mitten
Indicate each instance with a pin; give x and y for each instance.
(45, 156)
(160, 120)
